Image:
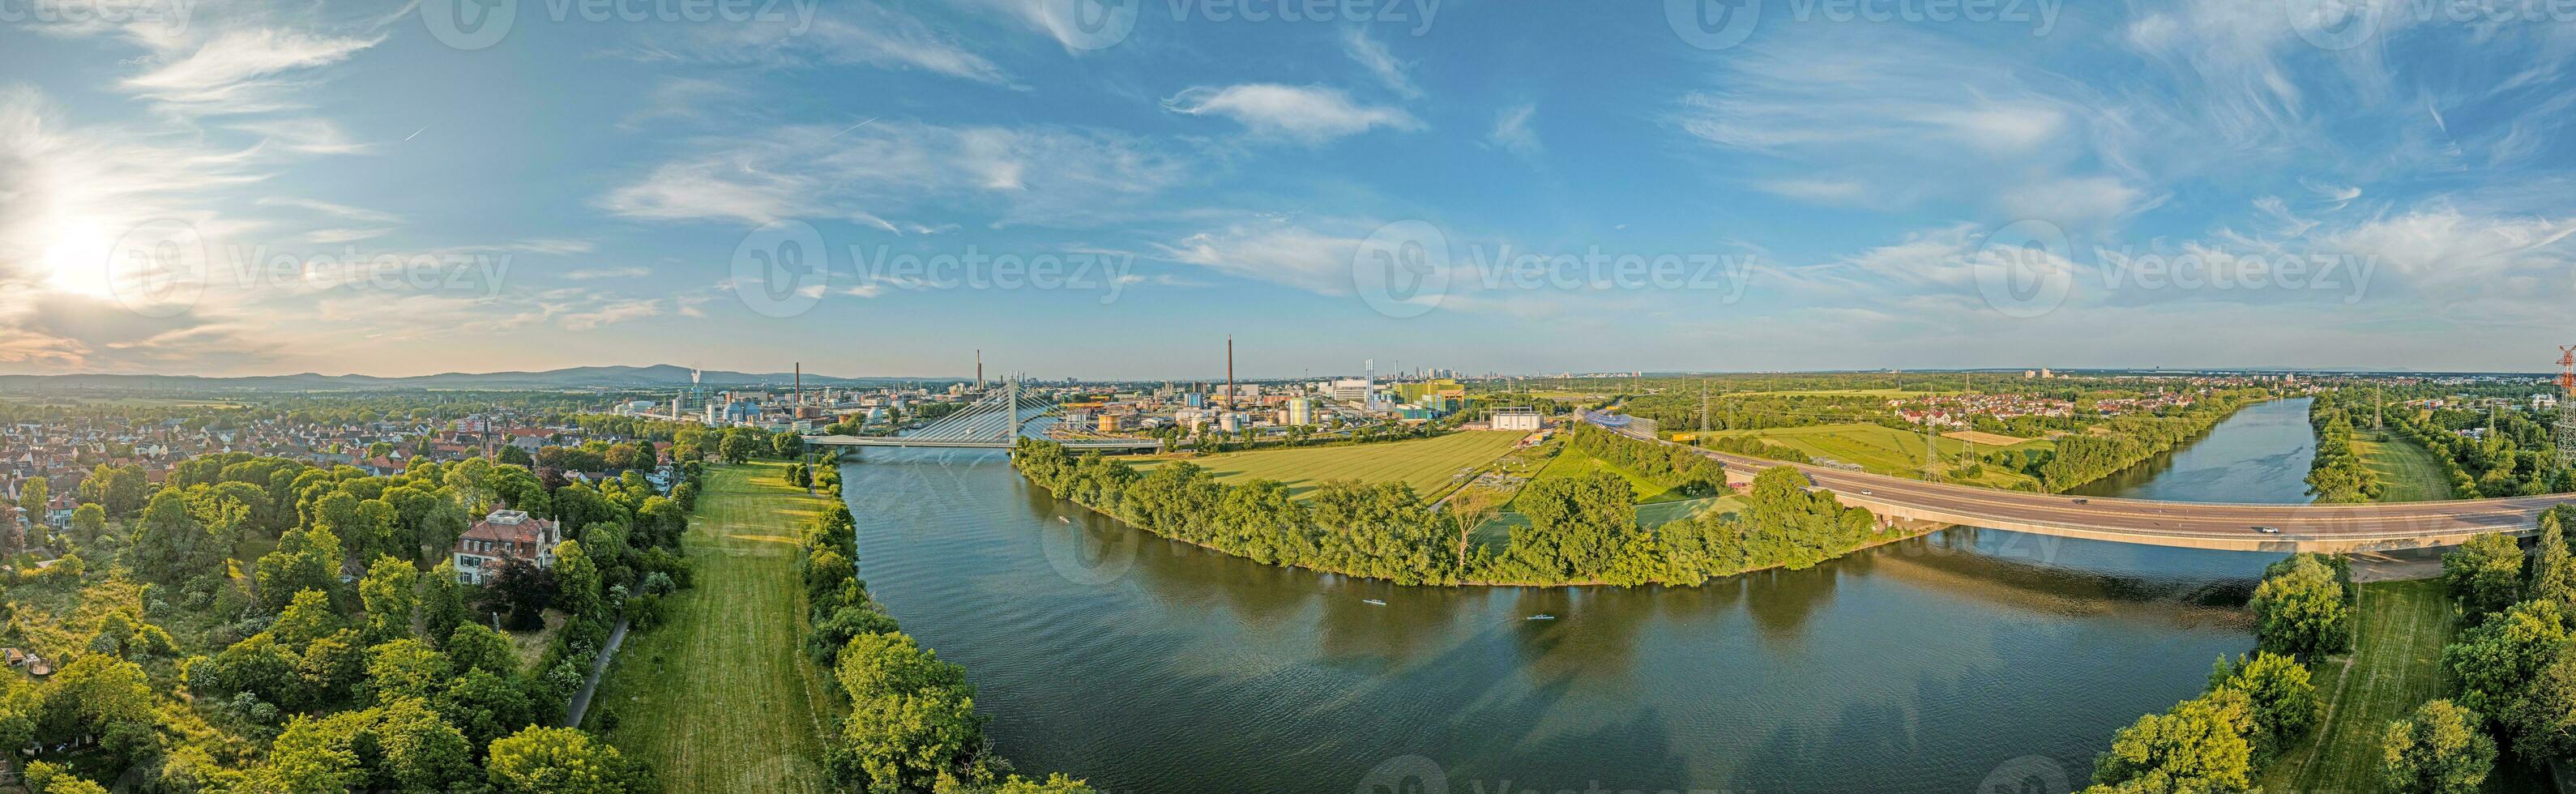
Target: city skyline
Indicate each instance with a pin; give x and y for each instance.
(1834, 193)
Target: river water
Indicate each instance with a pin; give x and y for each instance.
(1966, 660)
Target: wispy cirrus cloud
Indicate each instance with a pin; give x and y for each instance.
(878, 173)
(1307, 114)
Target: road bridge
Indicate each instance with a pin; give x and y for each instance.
(996, 421)
(2204, 525)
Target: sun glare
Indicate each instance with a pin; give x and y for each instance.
(78, 260)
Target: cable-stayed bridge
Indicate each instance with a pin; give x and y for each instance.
(995, 421)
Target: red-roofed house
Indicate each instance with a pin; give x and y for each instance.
(504, 535)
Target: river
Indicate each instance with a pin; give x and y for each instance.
(1960, 661)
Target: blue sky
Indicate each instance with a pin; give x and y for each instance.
(242, 187)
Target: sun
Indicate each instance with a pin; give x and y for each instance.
(77, 260)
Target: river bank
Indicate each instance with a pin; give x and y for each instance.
(2019, 653)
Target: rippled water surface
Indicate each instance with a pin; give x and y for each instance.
(1932, 665)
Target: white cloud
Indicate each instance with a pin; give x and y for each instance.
(2072, 200)
(1373, 56)
(875, 173)
(592, 274)
(1310, 114)
(242, 70)
(861, 34)
(1512, 131)
(1277, 251)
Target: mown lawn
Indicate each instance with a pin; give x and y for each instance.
(1882, 450)
(1571, 462)
(721, 696)
(1430, 465)
(2395, 666)
(2410, 471)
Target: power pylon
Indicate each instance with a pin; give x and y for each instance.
(2567, 406)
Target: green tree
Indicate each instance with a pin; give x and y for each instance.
(89, 523)
(2484, 575)
(170, 545)
(2494, 662)
(34, 498)
(736, 448)
(2553, 576)
(2198, 746)
(391, 595)
(577, 580)
(2301, 610)
(2437, 751)
(1578, 525)
(304, 560)
(405, 668)
(442, 602)
(557, 761)
(474, 646)
(2283, 696)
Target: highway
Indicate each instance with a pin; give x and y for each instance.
(2303, 527)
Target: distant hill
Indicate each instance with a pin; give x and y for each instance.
(659, 376)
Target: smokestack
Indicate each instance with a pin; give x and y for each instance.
(1229, 372)
(800, 384)
(979, 369)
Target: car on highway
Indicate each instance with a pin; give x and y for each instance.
(2083, 501)
(2268, 530)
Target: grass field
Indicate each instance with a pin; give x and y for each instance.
(1995, 440)
(721, 697)
(1430, 465)
(1571, 462)
(2395, 666)
(1880, 450)
(2410, 470)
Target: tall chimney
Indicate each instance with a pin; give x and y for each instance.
(979, 369)
(1229, 372)
(800, 384)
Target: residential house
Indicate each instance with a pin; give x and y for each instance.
(504, 535)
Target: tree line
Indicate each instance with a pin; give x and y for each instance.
(909, 721)
(2255, 705)
(1582, 530)
(2337, 474)
(304, 677)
